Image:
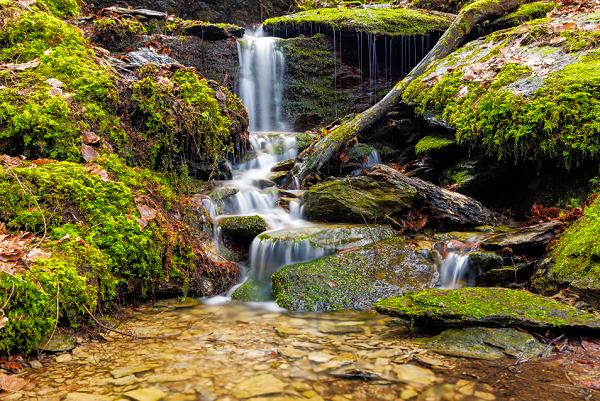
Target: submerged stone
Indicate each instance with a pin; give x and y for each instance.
(252, 291)
(258, 385)
(57, 343)
(353, 280)
(495, 307)
(353, 200)
(483, 343)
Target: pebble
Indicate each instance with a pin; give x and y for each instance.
(320, 357)
(131, 370)
(414, 374)
(146, 394)
(88, 397)
(258, 385)
(35, 364)
(291, 353)
(64, 358)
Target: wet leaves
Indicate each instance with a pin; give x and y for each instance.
(13, 383)
(88, 153)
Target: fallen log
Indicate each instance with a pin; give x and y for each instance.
(465, 22)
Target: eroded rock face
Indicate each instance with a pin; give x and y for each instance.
(495, 307)
(526, 239)
(354, 199)
(353, 280)
(483, 343)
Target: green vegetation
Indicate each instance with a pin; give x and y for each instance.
(243, 226)
(577, 254)
(528, 12)
(448, 6)
(374, 21)
(303, 141)
(482, 303)
(432, 143)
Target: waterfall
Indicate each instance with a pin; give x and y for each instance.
(262, 68)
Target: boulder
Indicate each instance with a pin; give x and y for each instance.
(534, 238)
(143, 56)
(494, 307)
(292, 193)
(354, 199)
(353, 280)
(214, 31)
(262, 184)
(286, 165)
(505, 274)
(304, 122)
(140, 12)
(243, 226)
(483, 343)
(278, 177)
(57, 343)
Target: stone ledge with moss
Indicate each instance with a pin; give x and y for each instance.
(353, 280)
(492, 307)
(243, 226)
(521, 99)
(390, 22)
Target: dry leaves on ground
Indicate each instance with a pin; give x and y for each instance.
(12, 383)
(14, 250)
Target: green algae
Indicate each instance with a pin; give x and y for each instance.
(374, 21)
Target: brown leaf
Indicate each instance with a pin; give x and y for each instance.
(37, 254)
(221, 96)
(557, 40)
(594, 384)
(241, 322)
(421, 222)
(13, 365)
(146, 212)
(332, 284)
(88, 153)
(11, 255)
(3, 321)
(567, 26)
(20, 67)
(89, 137)
(142, 222)
(12, 383)
(344, 158)
(348, 250)
(39, 162)
(68, 388)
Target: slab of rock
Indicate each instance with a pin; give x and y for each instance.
(117, 373)
(353, 280)
(504, 274)
(304, 122)
(143, 56)
(285, 165)
(278, 177)
(292, 193)
(352, 200)
(258, 385)
(528, 238)
(262, 184)
(492, 307)
(58, 343)
(214, 31)
(146, 394)
(140, 12)
(243, 226)
(483, 343)
(88, 397)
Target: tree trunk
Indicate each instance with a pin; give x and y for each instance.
(469, 18)
(452, 207)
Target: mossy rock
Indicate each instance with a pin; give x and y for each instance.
(524, 239)
(285, 165)
(353, 280)
(525, 13)
(352, 200)
(485, 260)
(252, 291)
(303, 141)
(463, 236)
(243, 226)
(57, 343)
(483, 343)
(494, 307)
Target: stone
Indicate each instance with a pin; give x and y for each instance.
(343, 359)
(262, 184)
(414, 374)
(340, 329)
(485, 260)
(143, 56)
(35, 364)
(285, 165)
(122, 381)
(355, 280)
(64, 358)
(258, 385)
(352, 200)
(131, 370)
(320, 357)
(483, 343)
(243, 226)
(278, 177)
(140, 12)
(292, 193)
(146, 394)
(214, 31)
(533, 238)
(87, 397)
(462, 236)
(471, 388)
(58, 343)
(496, 307)
(168, 377)
(291, 353)
(305, 122)
(509, 273)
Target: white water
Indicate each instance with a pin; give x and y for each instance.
(455, 270)
(262, 67)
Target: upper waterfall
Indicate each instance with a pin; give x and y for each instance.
(262, 68)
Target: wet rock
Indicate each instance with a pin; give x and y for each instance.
(278, 177)
(485, 260)
(291, 353)
(143, 56)
(146, 394)
(457, 235)
(495, 307)
(304, 122)
(252, 291)
(483, 343)
(354, 199)
(414, 374)
(488, 229)
(340, 329)
(58, 343)
(222, 194)
(214, 32)
(320, 357)
(243, 226)
(259, 385)
(140, 12)
(509, 273)
(88, 397)
(35, 364)
(285, 165)
(262, 184)
(353, 280)
(166, 304)
(532, 238)
(291, 193)
(122, 381)
(117, 373)
(64, 358)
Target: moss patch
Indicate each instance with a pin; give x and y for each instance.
(243, 226)
(528, 12)
(432, 143)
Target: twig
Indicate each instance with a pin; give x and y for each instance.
(9, 297)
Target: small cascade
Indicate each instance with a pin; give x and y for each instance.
(262, 67)
(455, 271)
(374, 158)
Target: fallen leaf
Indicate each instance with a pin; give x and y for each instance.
(12, 383)
(88, 153)
(68, 388)
(39, 162)
(142, 222)
(241, 322)
(348, 250)
(344, 158)
(37, 254)
(90, 137)
(13, 365)
(421, 222)
(11, 255)
(221, 96)
(3, 321)
(332, 284)
(146, 212)
(557, 40)
(594, 384)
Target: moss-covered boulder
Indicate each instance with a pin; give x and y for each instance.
(245, 227)
(533, 238)
(495, 307)
(353, 200)
(353, 280)
(483, 343)
(574, 262)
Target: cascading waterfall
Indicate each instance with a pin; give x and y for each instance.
(262, 67)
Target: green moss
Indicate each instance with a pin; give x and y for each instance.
(482, 303)
(243, 226)
(303, 141)
(60, 8)
(577, 253)
(432, 143)
(529, 12)
(375, 21)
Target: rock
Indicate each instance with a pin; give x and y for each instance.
(304, 122)
(278, 177)
(483, 343)
(414, 374)
(457, 235)
(258, 385)
(353, 280)
(243, 226)
(469, 388)
(117, 373)
(140, 12)
(35, 364)
(64, 358)
(291, 353)
(285, 165)
(534, 238)
(320, 357)
(146, 394)
(509, 273)
(214, 31)
(252, 291)
(88, 397)
(343, 359)
(58, 343)
(495, 307)
(484, 260)
(143, 56)
(340, 329)
(291, 193)
(122, 381)
(262, 184)
(338, 199)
